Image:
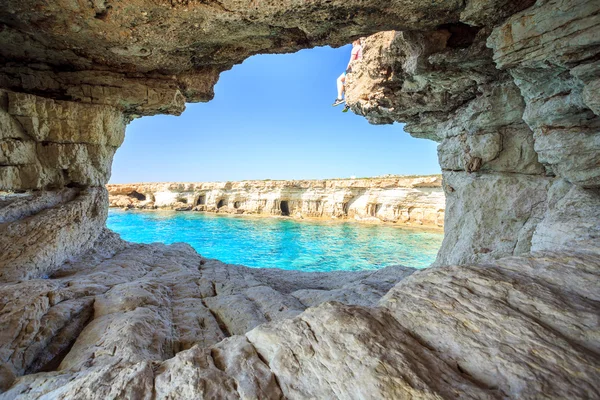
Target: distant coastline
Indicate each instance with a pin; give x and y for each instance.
(412, 201)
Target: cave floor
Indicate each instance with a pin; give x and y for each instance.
(156, 321)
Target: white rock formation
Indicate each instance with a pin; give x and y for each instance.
(155, 321)
(510, 107)
(408, 200)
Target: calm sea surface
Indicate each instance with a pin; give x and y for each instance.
(281, 243)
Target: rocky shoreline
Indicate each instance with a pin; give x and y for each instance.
(413, 201)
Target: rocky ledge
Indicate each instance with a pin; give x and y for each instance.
(407, 200)
(120, 320)
(162, 322)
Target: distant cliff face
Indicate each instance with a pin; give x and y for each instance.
(407, 200)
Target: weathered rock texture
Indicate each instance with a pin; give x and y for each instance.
(407, 200)
(151, 56)
(510, 91)
(39, 232)
(121, 304)
(513, 109)
(46, 143)
(155, 321)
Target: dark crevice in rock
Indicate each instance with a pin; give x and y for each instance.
(20, 208)
(200, 267)
(75, 185)
(103, 13)
(300, 301)
(283, 37)
(222, 326)
(285, 208)
(61, 273)
(217, 359)
(46, 93)
(266, 362)
(62, 342)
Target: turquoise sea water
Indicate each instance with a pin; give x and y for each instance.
(280, 242)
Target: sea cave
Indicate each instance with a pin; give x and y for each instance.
(510, 308)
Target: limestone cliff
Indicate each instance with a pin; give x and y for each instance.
(408, 200)
(508, 88)
(513, 111)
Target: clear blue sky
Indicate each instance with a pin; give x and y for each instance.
(271, 118)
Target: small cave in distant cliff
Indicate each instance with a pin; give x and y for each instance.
(201, 200)
(346, 208)
(137, 195)
(221, 203)
(373, 209)
(318, 206)
(237, 204)
(285, 208)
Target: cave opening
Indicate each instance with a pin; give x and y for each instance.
(273, 135)
(461, 35)
(217, 171)
(137, 195)
(456, 312)
(285, 208)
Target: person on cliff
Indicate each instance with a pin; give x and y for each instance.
(356, 54)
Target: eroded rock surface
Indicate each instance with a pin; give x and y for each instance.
(122, 304)
(151, 56)
(513, 108)
(408, 200)
(39, 232)
(46, 143)
(162, 321)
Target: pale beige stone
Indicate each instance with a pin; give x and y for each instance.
(53, 143)
(416, 201)
(430, 336)
(86, 315)
(34, 246)
(494, 215)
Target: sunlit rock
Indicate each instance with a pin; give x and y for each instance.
(406, 200)
(508, 89)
